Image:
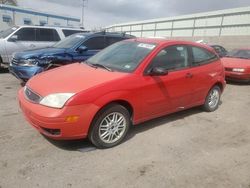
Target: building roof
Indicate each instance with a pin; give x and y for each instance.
(34, 12)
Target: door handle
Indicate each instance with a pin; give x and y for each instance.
(32, 45)
(189, 75)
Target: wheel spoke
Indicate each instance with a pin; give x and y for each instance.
(120, 120)
(104, 135)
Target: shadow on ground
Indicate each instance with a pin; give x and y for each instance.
(85, 146)
(238, 83)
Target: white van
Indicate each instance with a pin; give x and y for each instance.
(20, 38)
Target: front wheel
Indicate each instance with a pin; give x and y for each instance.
(110, 126)
(212, 100)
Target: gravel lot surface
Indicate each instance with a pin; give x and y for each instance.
(187, 149)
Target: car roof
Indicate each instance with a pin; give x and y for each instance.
(162, 41)
(166, 41)
(48, 27)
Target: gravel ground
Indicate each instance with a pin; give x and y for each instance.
(187, 149)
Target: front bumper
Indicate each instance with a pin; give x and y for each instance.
(52, 122)
(24, 73)
(237, 76)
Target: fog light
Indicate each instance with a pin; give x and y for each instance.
(72, 119)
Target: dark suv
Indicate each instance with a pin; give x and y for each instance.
(75, 48)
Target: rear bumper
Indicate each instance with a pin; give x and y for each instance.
(52, 122)
(24, 73)
(238, 76)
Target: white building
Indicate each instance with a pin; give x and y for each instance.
(230, 27)
(12, 15)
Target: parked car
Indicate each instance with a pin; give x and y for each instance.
(237, 65)
(221, 51)
(127, 83)
(20, 38)
(75, 48)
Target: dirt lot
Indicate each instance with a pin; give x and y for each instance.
(188, 149)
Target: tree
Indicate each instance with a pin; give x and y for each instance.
(9, 2)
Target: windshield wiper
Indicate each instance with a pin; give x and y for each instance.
(95, 65)
(102, 66)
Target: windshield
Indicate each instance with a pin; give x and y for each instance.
(244, 54)
(69, 42)
(7, 32)
(123, 56)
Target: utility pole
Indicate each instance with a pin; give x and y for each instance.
(83, 7)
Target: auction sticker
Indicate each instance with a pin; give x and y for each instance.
(148, 46)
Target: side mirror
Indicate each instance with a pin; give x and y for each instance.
(13, 38)
(158, 71)
(82, 49)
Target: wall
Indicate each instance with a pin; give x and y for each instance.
(230, 27)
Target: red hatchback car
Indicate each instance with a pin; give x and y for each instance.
(237, 65)
(127, 83)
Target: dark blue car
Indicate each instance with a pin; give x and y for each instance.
(75, 48)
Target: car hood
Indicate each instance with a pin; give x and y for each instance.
(72, 78)
(38, 53)
(229, 62)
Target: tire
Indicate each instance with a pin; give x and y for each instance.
(110, 126)
(213, 99)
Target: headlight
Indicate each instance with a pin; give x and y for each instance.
(28, 62)
(238, 70)
(56, 100)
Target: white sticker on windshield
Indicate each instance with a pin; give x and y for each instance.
(127, 66)
(148, 46)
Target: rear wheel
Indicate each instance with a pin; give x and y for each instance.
(212, 99)
(110, 126)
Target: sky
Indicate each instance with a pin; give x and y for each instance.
(101, 13)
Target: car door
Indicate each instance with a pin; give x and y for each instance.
(171, 92)
(203, 71)
(46, 37)
(94, 45)
(25, 40)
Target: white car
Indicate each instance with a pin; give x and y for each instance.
(21, 38)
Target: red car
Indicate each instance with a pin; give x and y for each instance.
(237, 65)
(125, 84)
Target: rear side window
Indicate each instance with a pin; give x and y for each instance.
(202, 56)
(67, 32)
(47, 35)
(112, 40)
(26, 34)
(95, 43)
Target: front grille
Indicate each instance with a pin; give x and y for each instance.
(32, 96)
(228, 69)
(14, 61)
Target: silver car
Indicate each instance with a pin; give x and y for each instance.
(21, 38)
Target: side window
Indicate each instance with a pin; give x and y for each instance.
(112, 40)
(67, 32)
(95, 43)
(202, 56)
(7, 19)
(171, 58)
(26, 34)
(47, 35)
